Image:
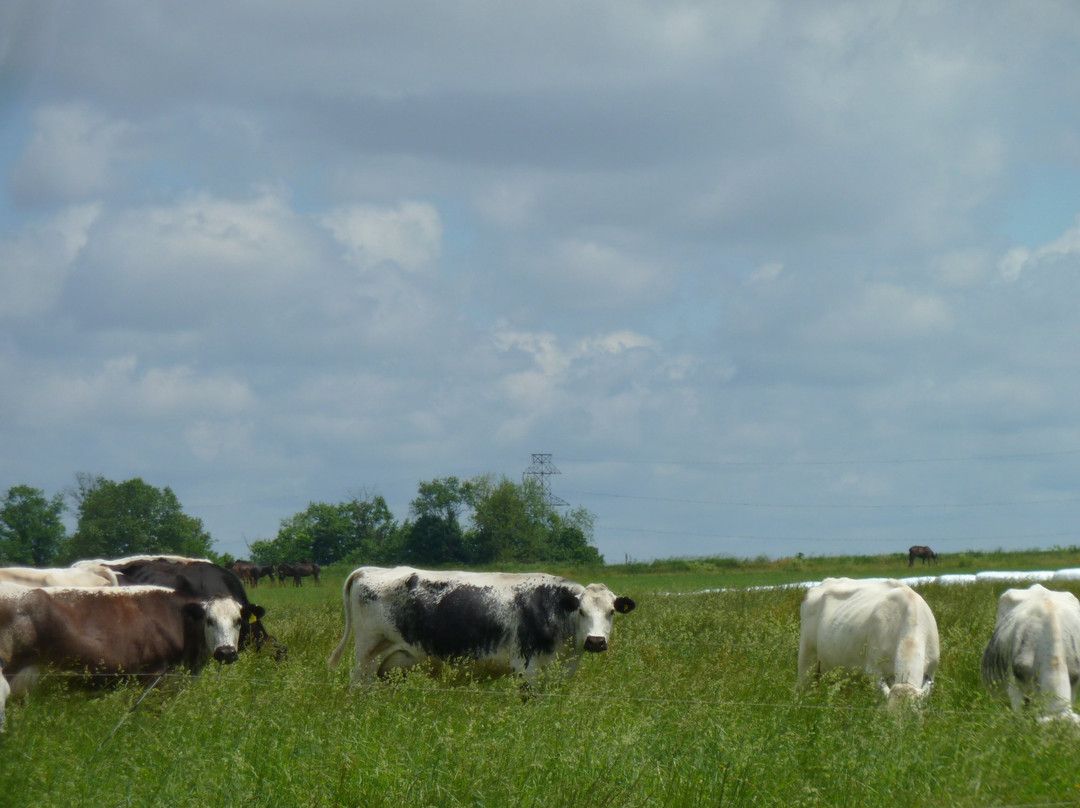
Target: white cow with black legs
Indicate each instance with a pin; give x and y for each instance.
(879, 626)
(1034, 652)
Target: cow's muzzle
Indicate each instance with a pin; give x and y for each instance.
(226, 654)
(594, 644)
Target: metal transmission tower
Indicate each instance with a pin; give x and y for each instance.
(540, 470)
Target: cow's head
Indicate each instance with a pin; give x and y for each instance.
(219, 620)
(594, 611)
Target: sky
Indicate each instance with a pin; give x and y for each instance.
(763, 278)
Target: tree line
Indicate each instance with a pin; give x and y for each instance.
(475, 522)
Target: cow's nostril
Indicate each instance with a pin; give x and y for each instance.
(595, 644)
(226, 654)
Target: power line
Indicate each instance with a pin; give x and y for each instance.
(842, 506)
(1052, 455)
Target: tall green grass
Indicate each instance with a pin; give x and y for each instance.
(693, 705)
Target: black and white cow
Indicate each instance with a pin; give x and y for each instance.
(499, 622)
(101, 633)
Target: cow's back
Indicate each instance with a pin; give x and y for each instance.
(1035, 644)
(877, 625)
(106, 630)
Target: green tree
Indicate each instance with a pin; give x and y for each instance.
(436, 537)
(569, 538)
(133, 518)
(508, 522)
(376, 538)
(433, 541)
(31, 530)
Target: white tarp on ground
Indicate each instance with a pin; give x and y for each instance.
(990, 576)
(1031, 577)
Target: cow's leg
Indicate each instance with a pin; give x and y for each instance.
(1017, 697)
(5, 691)
(372, 652)
(808, 661)
(398, 658)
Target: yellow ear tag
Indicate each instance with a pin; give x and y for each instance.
(252, 618)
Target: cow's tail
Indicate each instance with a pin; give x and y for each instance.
(335, 656)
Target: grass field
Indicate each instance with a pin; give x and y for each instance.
(694, 704)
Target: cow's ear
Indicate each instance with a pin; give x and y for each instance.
(624, 605)
(568, 601)
(194, 611)
(252, 612)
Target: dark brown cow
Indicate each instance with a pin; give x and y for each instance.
(244, 570)
(105, 632)
(250, 573)
(262, 571)
(920, 551)
(297, 570)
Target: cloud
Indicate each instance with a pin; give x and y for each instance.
(408, 235)
(1019, 261)
(35, 263)
(119, 391)
(71, 155)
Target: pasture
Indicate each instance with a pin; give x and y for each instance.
(694, 704)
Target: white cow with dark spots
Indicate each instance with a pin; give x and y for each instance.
(1034, 652)
(499, 622)
(879, 626)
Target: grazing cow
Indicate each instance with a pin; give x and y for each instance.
(882, 627)
(198, 578)
(500, 622)
(244, 570)
(297, 570)
(262, 571)
(1034, 652)
(105, 632)
(63, 576)
(920, 551)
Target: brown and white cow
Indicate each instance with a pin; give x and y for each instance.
(500, 622)
(195, 577)
(89, 575)
(105, 632)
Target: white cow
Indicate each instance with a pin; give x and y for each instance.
(879, 626)
(499, 622)
(1034, 652)
(96, 575)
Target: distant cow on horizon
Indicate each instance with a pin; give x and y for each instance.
(920, 551)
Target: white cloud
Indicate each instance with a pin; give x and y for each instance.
(118, 390)
(553, 360)
(885, 312)
(35, 264)
(408, 235)
(71, 156)
(1020, 260)
(767, 272)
